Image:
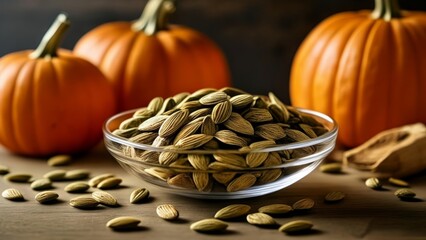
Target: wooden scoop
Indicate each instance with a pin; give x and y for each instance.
(398, 152)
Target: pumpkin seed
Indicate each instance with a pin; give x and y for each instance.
(200, 93)
(199, 161)
(224, 177)
(229, 158)
(144, 137)
(46, 197)
(183, 180)
(155, 104)
(258, 115)
(296, 226)
(373, 183)
(268, 176)
(55, 175)
(167, 211)
(260, 219)
(153, 123)
(199, 113)
(3, 170)
(193, 141)
(104, 198)
(241, 101)
(126, 133)
(398, 182)
(308, 130)
(242, 182)
(277, 101)
(256, 159)
(208, 127)
(202, 181)
(109, 183)
(160, 173)
(209, 225)
(178, 98)
(192, 105)
(166, 157)
(132, 123)
(230, 138)
(77, 174)
(188, 129)
(231, 91)
(334, 196)
(173, 123)
(238, 124)
(270, 131)
(41, 184)
(232, 211)
(59, 160)
(83, 202)
(221, 112)
(214, 98)
(405, 194)
(304, 204)
(276, 209)
(77, 187)
(123, 223)
(331, 168)
(18, 177)
(139, 195)
(143, 113)
(296, 135)
(168, 104)
(93, 182)
(12, 194)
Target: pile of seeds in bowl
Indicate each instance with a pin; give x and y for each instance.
(210, 119)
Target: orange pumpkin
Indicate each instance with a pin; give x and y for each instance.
(365, 69)
(51, 101)
(149, 58)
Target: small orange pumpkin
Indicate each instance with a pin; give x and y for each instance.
(365, 69)
(149, 58)
(52, 102)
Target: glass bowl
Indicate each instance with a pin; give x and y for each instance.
(286, 164)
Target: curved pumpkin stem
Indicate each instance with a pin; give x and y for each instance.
(386, 10)
(154, 17)
(50, 42)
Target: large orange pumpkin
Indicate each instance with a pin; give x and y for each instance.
(51, 101)
(365, 69)
(149, 58)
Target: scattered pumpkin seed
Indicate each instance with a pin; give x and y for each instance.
(109, 183)
(93, 182)
(334, 196)
(373, 183)
(260, 219)
(77, 174)
(296, 226)
(59, 160)
(46, 197)
(12, 194)
(405, 194)
(55, 175)
(276, 209)
(104, 198)
(398, 182)
(123, 223)
(18, 177)
(209, 225)
(41, 184)
(331, 168)
(77, 187)
(167, 211)
(139, 195)
(304, 204)
(232, 211)
(84, 202)
(4, 170)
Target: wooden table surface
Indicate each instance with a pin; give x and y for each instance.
(363, 214)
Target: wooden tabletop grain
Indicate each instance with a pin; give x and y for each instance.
(363, 214)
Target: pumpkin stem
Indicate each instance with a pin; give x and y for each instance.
(386, 10)
(50, 42)
(154, 17)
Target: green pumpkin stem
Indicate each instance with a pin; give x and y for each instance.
(154, 17)
(386, 10)
(49, 44)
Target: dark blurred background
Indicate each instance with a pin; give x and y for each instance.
(258, 37)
